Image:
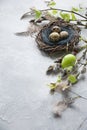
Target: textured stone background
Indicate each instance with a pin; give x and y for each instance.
(25, 102)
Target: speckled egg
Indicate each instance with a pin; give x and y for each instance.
(64, 34)
(56, 29)
(54, 36)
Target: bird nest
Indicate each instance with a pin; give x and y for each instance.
(49, 46)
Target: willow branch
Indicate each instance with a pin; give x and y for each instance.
(31, 13)
(71, 12)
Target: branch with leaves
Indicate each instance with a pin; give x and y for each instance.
(51, 14)
(69, 73)
(68, 15)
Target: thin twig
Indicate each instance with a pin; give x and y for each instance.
(80, 25)
(77, 94)
(65, 11)
(82, 123)
(31, 13)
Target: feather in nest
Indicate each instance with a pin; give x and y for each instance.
(32, 29)
(27, 15)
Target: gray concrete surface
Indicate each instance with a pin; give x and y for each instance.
(25, 102)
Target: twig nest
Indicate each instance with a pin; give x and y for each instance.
(56, 29)
(54, 36)
(50, 41)
(64, 34)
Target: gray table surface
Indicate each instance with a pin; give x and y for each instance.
(25, 102)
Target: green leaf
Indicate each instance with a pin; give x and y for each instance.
(79, 9)
(72, 78)
(83, 39)
(51, 3)
(80, 38)
(59, 79)
(65, 16)
(75, 9)
(54, 12)
(61, 14)
(52, 85)
(73, 16)
(37, 14)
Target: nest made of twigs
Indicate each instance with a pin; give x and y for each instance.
(59, 47)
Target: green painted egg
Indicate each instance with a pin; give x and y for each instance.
(68, 60)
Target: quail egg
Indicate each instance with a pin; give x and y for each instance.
(54, 36)
(56, 29)
(63, 34)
